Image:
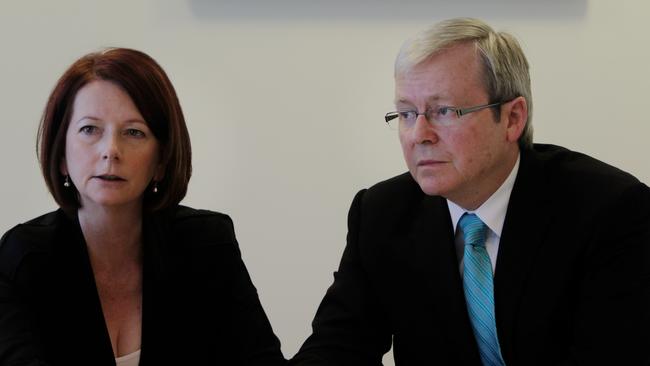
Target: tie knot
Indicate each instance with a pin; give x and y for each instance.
(473, 229)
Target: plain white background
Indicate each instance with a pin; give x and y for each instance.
(285, 100)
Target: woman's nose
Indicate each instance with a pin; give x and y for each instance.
(111, 148)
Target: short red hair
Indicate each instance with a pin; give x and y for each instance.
(146, 83)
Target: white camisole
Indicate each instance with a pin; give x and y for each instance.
(132, 359)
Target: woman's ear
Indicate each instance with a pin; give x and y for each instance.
(63, 167)
(159, 174)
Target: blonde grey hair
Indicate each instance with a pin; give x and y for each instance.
(505, 71)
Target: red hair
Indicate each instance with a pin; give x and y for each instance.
(146, 83)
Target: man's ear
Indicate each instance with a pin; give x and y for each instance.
(515, 115)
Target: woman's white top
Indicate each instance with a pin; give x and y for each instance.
(132, 359)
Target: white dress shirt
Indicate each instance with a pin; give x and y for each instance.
(492, 212)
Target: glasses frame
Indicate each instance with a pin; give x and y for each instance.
(459, 111)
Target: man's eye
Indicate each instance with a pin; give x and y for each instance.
(443, 111)
(408, 115)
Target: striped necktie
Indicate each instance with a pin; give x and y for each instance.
(479, 289)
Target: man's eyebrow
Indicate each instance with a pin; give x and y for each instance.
(433, 98)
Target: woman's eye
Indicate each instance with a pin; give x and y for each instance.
(134, 132)
(88, 130)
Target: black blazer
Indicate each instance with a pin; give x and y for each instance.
(199, 304)
(572, 279)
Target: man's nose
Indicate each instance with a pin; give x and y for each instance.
(424, 132)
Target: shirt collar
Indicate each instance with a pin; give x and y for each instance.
(493, 211)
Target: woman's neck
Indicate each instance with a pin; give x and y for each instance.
(113, 236)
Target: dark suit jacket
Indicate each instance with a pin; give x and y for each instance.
(199, 304)
(572, 278)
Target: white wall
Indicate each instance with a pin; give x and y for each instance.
(285, 102)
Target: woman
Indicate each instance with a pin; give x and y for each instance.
(121, 273)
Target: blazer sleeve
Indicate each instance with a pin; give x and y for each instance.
(612, 317)
(349, 328)
(19, 341)
(226, 317)
(252, 329)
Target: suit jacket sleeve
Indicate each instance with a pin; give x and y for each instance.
(349, 328)
(612, 317)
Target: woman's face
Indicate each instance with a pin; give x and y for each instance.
(111, 155)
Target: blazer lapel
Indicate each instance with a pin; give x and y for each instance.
(156, 286)
(79, 299)
(523, 233)
(435, 258)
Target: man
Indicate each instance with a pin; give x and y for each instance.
(492, 250)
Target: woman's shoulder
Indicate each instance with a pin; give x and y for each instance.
(185, 213)
(202, 226)
(33, 236)
(201, 239)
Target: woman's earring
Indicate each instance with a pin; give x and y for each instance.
(155, 187)
(66, 183)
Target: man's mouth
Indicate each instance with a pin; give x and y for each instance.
(429, 162)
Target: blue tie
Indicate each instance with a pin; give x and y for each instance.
(479, 289)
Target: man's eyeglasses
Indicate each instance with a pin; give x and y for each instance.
(443, 115)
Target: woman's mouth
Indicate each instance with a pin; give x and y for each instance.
(110, 178)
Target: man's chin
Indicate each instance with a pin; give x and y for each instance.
(431, 188)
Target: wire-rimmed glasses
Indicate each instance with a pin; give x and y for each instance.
(441, 115)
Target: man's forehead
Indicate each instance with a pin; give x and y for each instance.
(444, 77)
(423, 86)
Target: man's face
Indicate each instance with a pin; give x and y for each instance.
(468, 160)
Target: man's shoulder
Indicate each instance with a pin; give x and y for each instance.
(580, 179)
(396, 189)
(576, 168)
(398, 196)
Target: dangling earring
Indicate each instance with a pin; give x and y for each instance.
(155, 187)
(66, 183)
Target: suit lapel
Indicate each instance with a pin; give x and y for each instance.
(523, 233)
(435, 258)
